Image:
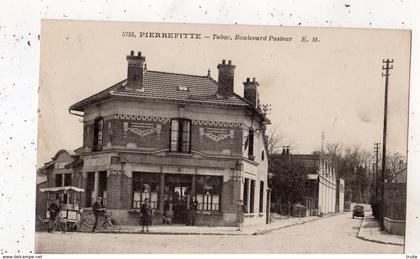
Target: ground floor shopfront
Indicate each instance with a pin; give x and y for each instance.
(172, 184)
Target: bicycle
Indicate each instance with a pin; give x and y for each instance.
(56, 225)
(108, 224)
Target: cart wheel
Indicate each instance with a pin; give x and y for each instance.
(116, 225)
(52, 226)
(63, 226)
(86, 224)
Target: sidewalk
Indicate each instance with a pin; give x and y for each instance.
(370, 230)
(204, 230)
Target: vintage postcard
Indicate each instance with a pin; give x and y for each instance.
(196, 138)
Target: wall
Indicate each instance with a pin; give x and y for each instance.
(327, 187)
(396, 227)
(340, 194)
(395, 200)
(218, 133)
(143, 126)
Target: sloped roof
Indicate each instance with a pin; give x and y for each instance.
(166, 86)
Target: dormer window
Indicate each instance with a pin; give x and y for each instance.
(98, 134)
(180, 135)
(182, 88)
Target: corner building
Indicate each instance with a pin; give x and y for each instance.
(174, 138)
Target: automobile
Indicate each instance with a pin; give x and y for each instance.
(358, 211)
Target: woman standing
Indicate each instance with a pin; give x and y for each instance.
(240, 213)
(145, 215)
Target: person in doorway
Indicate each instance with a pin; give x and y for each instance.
(166, 219)
(97, 211)
(145, 215)
(241, 210)
(192, 212)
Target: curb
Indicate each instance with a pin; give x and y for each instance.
(374, 240)
(174, 233)
(257, 232)
(263, 232)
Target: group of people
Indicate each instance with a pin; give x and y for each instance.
(146, 213)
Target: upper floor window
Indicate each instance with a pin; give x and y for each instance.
(62, 180)
(180, 135)
(98, 133)
(251, 145)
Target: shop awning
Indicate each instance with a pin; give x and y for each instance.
(62, 188)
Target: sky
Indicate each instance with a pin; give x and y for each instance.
(332, 85)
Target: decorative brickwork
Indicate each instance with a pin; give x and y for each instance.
(216, 134)
(148, 132)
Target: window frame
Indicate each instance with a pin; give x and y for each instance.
(261, 198)
(140, 179)
(208, 202)
(251, 144)
(180, 136)
(98, 141)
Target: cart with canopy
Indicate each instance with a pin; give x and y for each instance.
(70, 210)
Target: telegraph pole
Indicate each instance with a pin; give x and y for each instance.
(386, 66)
(376, 148)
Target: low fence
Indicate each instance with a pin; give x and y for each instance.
(394, 207)
(288, 209)
(395, 200)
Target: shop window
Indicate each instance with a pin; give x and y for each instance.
(180, 135)
(208, 192)
(245, 194)
(261, 205)
(252, 197)
(98, 134)
(145, 185)
(103, 181)
(251, 145)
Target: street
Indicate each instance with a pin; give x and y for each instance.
(336, 234)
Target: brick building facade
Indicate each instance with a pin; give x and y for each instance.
(173, 138)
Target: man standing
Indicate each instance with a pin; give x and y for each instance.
(54, 210)
(97, 209)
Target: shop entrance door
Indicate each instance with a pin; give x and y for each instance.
(178, 193)
(180, 207)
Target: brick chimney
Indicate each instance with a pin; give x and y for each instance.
(135, 70)
(251, 91)
(226, 76)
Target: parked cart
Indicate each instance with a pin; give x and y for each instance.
(70, 210)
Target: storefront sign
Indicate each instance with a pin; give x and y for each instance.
(96, 161)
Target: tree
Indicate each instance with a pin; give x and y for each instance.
(393, 165)
(276, 141)
(353, 165)
(287, 181)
